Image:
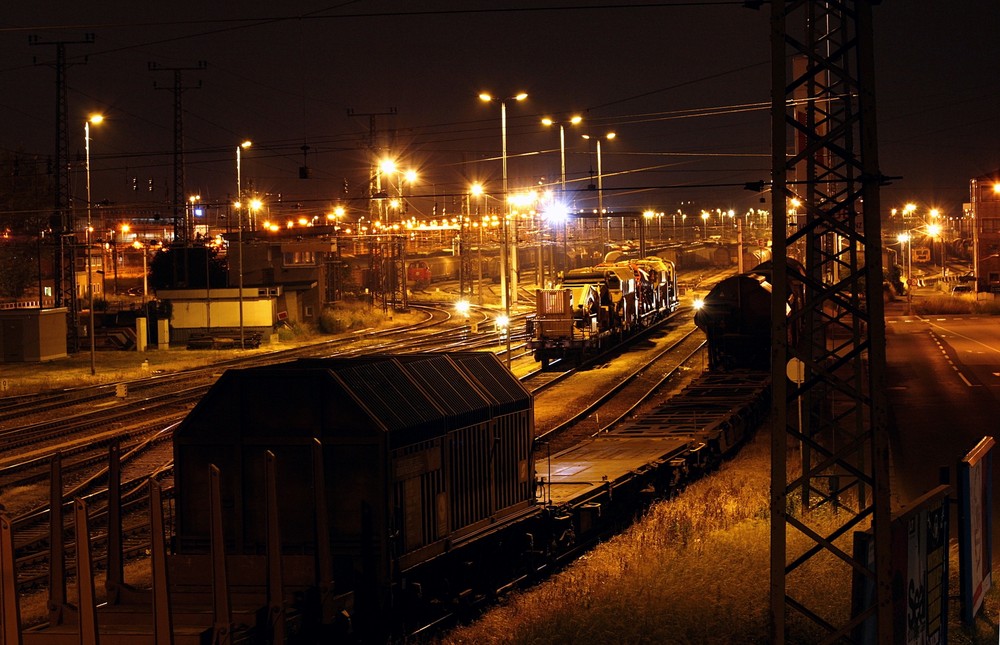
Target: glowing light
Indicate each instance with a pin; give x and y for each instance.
(462, 307)
(698, 303)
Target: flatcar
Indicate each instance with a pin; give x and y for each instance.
(591, 306)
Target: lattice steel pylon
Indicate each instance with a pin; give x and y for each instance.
(823, 103)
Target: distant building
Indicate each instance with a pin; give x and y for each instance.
(985, 206)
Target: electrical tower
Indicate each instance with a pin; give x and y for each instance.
(62, 222)
(823, 104)
(183, 227)
(377, 194)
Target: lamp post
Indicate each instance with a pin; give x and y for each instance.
(476, 190)
(95, 119)
(562, 175)
(145, 282)
(507, 276)
(600, 185)
(904, 238)
(239, 234)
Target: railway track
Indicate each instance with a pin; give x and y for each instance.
(32, 548)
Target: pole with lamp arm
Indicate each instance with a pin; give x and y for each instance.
(574, 120)
(95, 119)
(904, 238)
(506, 274)
(239, 234)
(600, 190)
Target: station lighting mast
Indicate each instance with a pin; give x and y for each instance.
(823, 100)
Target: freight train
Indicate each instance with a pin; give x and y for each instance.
(353, 499)
(594, 305)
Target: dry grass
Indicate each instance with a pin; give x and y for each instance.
(694, 570)
(950, 305)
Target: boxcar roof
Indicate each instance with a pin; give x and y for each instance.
(409, 398)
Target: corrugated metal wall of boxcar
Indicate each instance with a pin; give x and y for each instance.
(418, 484)
(471, 478)
(511, 454)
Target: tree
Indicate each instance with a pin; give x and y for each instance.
(19, 260)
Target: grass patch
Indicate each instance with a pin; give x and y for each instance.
(950, 305)
(694, 570)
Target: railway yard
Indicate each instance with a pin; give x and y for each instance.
(75, 428)
(613, 403)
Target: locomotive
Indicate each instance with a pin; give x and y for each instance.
(594, 305)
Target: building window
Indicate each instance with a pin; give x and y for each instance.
(299, 258)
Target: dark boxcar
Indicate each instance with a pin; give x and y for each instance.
(418, 454)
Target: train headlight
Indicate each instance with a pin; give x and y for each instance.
(502, 321)
(462, 307)
(698, 304)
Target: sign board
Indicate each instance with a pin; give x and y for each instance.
(920, 254)
(975, 525)
(796, 371)
(919, 568)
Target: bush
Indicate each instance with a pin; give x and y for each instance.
(346, 316)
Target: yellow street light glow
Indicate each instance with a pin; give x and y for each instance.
(547, 121)
(246, 144)
(502, 321)
(476, 189)
(95, 118)
(611, 135)
(255, 204)
(996, 187)
(521, 96)
(387, 166)
(649, 214)
(339, 211)
(934, 229)
(411, 176)
(462, 307)
(935, 212)
(485, 97)
(903, 237)
(125, 228)
(194, 199)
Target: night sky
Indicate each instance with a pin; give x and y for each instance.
(684, 85)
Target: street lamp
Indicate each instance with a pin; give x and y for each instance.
(95, 119)
(904, 238)
(935, 230)
(600, 185)
(562, 174)
(239, 236)
(145, 282)
(507, 276)
(704, 220)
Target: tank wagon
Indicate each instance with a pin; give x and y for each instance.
(736, 319)
(594, 305)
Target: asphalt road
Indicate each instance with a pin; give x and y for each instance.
(943, 378)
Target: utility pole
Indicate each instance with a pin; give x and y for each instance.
(183, 227)
(377, 196)
(823, 101)
(62, 222)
